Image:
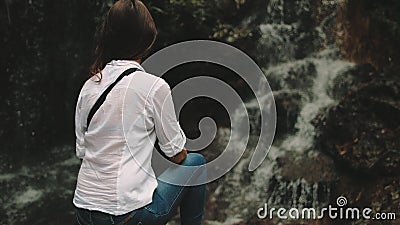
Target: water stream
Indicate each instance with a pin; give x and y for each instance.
(246, 191)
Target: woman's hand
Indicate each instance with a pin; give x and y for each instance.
(178, 158)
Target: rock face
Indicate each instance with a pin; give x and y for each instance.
(369, 32)
(41, 193)
(363, 130)
(361, 134)
(288, 105)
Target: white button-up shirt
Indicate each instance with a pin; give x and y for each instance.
(116, 175)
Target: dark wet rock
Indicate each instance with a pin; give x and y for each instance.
(363, 130)
(300, 180)
(297, 193)
(369, 32)
(348, 81)
(381, 194)
(362, 135)
(303, 181)
(40, 194)
(313, 168)
(288, 105)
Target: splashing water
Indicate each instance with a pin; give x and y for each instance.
(327, 70)
(311, 77)
(246, 190)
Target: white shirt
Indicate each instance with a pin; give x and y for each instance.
(116, 175)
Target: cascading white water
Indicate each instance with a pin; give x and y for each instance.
(310, 77)
(247, 190)
(327, 70)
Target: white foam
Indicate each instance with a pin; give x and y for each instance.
(7, 177)
(28, 196)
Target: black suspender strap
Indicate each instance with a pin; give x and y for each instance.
(103, 96)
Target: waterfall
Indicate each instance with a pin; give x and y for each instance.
(327, 69)
(247, 190)
(288, 177)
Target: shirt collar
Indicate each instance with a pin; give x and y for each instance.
(126, 63)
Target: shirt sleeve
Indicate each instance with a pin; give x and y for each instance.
(80, 148)
(171, 138)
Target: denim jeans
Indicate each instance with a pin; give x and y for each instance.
(166, 198)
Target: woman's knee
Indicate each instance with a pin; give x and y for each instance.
(194, 159)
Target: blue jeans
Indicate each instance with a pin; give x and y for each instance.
(166, 198)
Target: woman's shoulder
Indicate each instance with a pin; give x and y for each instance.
(91, 83)
(148, 80)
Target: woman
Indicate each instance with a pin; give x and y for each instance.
(116, 183)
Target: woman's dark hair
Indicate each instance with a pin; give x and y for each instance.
(128, 33)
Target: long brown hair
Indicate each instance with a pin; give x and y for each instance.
(128, 33)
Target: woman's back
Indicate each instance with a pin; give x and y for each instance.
(124, 127)
(116, 182)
